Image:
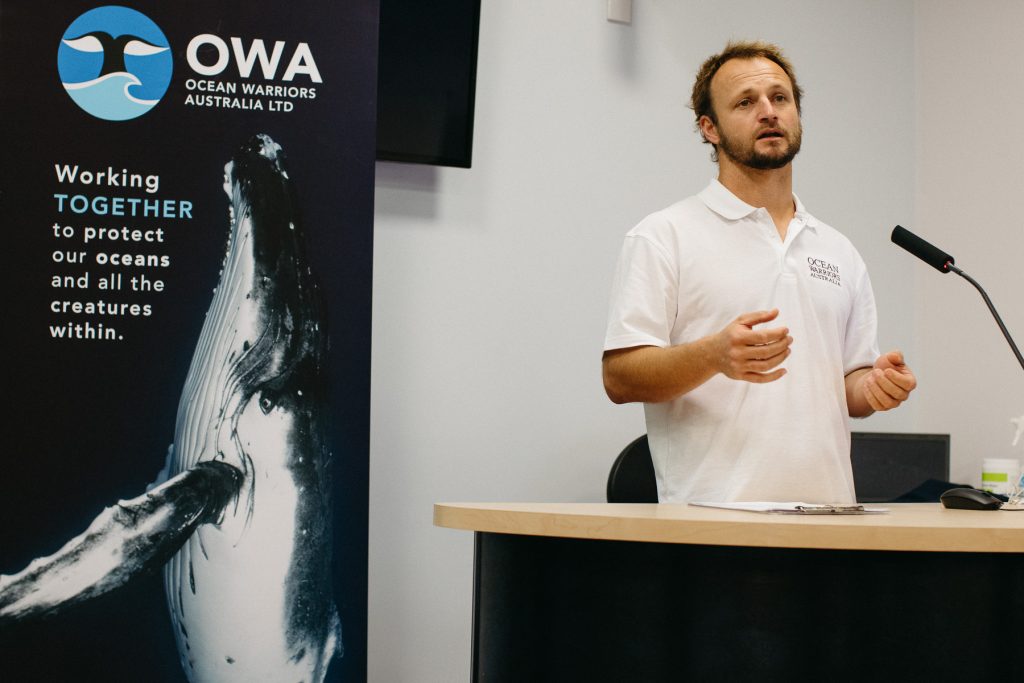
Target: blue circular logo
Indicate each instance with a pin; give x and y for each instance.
(115, 63)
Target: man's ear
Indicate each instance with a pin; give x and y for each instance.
(708, 129)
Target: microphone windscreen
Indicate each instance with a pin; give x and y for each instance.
(928, 253)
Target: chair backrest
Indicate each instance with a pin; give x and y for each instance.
(631, 479)
(887, 466)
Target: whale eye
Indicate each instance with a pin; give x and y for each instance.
(266, 404)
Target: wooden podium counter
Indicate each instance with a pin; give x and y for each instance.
(595, 592)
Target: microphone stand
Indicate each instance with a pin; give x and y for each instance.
(1015, 493)
(988, 302)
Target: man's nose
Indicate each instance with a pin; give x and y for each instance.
(766, 110)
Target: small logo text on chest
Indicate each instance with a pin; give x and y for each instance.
(823, 270)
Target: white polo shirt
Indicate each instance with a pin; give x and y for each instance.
(688, 271)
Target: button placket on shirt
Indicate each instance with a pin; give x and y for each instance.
(781, 248)
(796, 226)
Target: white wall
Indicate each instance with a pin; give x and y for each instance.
(491, 284)
(970, 202)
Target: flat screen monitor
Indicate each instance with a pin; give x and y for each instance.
(426, 81)
(887, 466)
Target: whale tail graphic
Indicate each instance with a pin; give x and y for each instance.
(113, 49)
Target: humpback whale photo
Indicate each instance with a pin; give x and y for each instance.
(240, 519)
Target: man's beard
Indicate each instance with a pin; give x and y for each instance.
(761, 161)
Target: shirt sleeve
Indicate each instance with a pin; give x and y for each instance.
(860, 349)
(644, 296)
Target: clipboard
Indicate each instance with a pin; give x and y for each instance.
(796, 508)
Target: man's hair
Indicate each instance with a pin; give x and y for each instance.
(700, 98)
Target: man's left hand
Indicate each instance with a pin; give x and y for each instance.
(889, 383)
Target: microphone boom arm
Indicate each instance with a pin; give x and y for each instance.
(992, 308)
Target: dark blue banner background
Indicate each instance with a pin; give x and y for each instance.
(90, 420)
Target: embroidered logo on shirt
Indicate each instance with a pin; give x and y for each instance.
(823, 270)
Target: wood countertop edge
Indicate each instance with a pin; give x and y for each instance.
(733, 528)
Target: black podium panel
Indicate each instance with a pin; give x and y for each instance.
(556, 609)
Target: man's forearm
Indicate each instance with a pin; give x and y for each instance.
(651, 374)
(856, 402)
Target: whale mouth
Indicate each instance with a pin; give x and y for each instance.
(262, 341)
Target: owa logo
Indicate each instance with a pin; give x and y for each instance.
(115, 63)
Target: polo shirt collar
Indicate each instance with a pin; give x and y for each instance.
(719, 199)
(802, 216)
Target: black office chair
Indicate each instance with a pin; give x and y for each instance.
(886, 468)
(631, 479)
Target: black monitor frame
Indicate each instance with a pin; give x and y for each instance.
(888, 465)
(426, 81)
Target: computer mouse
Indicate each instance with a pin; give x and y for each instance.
(970, 499)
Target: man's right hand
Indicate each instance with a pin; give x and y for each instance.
(653, 374)
(750, 355)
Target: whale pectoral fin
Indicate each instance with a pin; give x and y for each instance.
(129, 538)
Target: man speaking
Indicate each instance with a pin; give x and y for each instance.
(745, 325)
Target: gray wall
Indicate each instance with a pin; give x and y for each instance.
(491, 284)
(970, 200)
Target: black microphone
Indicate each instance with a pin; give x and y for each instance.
(929, 253)
(943, 262)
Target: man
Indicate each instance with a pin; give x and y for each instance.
(745, 325)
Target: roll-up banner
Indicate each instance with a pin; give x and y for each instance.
(187, 207)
